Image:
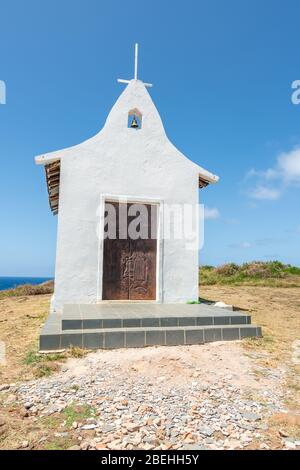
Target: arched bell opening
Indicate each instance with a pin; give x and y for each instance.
(135, 119)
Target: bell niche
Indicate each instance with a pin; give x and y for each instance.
(135, 119)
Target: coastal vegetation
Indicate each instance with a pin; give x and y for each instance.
(256, 273)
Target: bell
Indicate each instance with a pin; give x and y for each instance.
(134, 124)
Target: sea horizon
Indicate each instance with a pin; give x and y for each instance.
(10, 282)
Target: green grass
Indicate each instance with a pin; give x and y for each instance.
(77, 413)
(33, 357)
(50, 422)
(44, 365)
(43, 370)
(271, 274)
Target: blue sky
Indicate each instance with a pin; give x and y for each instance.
(222, 74)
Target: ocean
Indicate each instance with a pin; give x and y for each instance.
(11, 282)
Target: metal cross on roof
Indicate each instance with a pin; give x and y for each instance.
(136, 58)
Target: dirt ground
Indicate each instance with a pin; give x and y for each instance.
(20, 321)
(277, 310)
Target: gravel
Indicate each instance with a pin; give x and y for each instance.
(156, 403)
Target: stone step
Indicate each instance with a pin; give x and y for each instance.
(111, 321)
(140, 315)
(116, 338)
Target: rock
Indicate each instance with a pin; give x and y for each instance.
(247, 427)
(290, 445)
(92, 421)
(114, 445)
(28, 405)
(4, 387)
(150, 440)
(107, 428)
(245, 439)
(136, 440)
(75, 447)
(283, 433)
(75, 425)
(84, 446)
(88, 427)
(249, 416)
(147, 446)
(232, 444)
(132, 427)
(61, 434)
(24, 444)
(188, 440)
(206, 431)
(223, 305)
(100, 446)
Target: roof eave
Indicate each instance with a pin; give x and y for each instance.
(45, 159)
(207, 178)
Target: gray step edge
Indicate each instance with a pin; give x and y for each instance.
(157, 322)
(143, 337)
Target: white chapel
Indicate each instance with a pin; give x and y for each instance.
(130, 161)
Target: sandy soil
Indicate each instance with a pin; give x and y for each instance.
(277, 310)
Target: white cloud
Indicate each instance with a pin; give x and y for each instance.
(263, 192)
(211, 213)
(271, 183)
(288, 165)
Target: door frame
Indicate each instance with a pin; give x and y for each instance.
(159, 250)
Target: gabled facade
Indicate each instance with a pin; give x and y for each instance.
(130, 160)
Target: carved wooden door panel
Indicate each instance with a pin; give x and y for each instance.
(129, 266)
(115, 254)
(142, 281)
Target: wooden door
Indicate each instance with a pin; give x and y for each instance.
(129, 265)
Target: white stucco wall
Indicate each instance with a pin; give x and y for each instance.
(142, 164)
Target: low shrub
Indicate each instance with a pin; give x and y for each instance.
(228, 269)
(270, 273)
(29, 289)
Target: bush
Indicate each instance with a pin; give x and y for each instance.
(270, 273)
(261, 270)
(229, 269)
(29, 289)
(292, 270)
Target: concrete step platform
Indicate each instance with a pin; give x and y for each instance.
(116, 338)
(136, 325)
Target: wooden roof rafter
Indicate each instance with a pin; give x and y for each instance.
(52, 171)
(203, 183)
